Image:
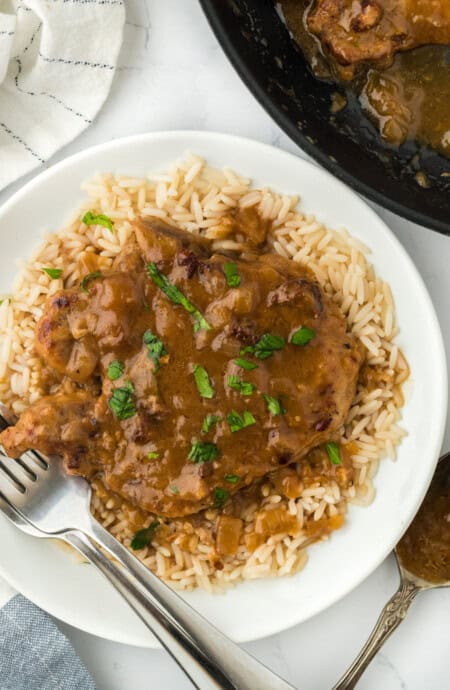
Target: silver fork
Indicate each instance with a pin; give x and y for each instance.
(41, 499)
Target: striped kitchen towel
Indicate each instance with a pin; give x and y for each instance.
(57, 61)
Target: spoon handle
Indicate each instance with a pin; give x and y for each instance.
(390, 618)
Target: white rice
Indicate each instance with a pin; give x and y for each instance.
(197, 198)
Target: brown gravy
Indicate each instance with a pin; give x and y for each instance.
(184, 376)
(223, 528)
(425, 548)
(408, 100)
(411, 99)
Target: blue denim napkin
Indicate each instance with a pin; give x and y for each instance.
(34, 654)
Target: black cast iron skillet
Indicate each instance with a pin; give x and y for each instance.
(260, 47)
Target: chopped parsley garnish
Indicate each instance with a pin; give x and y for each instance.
(174, 489)
(53, 273)
(267, 344)
(87, 279)
(245, 364)
(6, 299)
(220, 496)
(238, 422)
(153, 455)
(202, 382)
(203, 451)
(143, 538)
(100, 219)
(208, 423)
(232, 275)
(115, 370)
(303, 336)
(155, 348)
(265, 347)
(232, 478)
(334, 453)
(244, 387)
(121, 402)
(274, 405)
(177, 297)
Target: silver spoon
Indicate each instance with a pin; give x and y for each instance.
(423, 560)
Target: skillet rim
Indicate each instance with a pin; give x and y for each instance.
(251, 81)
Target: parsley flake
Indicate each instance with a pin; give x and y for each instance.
(238, 422)
(334, 453)
(267, 344)
(115, 370)
(208, 423)
(90, 218)
(245, 364)
(153, 455)
(244, 387)
(203, 382)
(53, 273)
(203, 451)
(155, 348)
(177, 297)
(220, 496)
(232, 275)
(302, 336)
(232, 478)
(274, 405)
(265, 347)
(143, 538)
(247, 350)
(121, 402)
(87, 279)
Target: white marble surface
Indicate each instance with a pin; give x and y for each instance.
(173, 75)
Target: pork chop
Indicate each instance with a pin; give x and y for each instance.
(205, 372)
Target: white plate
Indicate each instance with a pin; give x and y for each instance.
(74, 592)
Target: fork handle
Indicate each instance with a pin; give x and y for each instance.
(202, 674)
(208, 658)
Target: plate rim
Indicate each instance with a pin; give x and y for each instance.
(234, 140)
